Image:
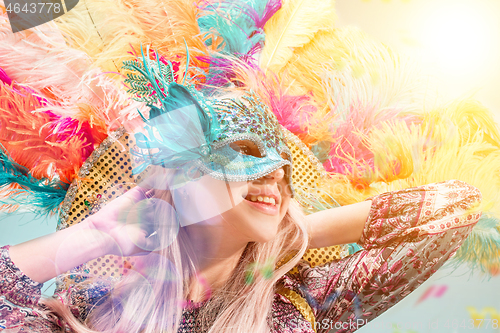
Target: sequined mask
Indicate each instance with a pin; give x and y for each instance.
(242, 120)
(176, 140)
(196, 135)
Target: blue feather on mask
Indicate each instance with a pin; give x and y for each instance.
(181, 124)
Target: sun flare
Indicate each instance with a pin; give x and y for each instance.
(458, 37)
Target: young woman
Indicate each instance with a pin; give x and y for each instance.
(213, 227)
(216, 253)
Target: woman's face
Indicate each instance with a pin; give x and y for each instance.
(263, 205)
(252, 210)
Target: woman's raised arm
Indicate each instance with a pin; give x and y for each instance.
(105, 232)
(44, 258)
(409, 234)
(341, 225)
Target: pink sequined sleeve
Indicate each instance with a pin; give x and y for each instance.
(409, 234)
(19, 296)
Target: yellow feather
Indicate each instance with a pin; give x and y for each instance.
(446, 145)
(108, 31)
(443, 147)
(471, 117)
(293, 26)
(449, 144)
(337, 52)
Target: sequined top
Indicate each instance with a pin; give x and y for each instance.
(408, 235)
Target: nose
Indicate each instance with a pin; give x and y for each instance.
(276, 175)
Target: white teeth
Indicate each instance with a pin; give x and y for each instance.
(264, 199)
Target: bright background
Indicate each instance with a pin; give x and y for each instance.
(21, 227)
(458, 41)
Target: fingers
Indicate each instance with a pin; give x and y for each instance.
(138, 193)
(153, 242)
(131, 198)
(132, 240)
(136, 220)
(149, 194)
(147, 243)
(141, 220)
(154, 233)
(142, 213)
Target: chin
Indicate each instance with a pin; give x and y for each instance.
(268, 236)
(256, 220)
(253, 226)
(263, 228)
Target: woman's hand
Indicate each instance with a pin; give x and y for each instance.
(126, 224)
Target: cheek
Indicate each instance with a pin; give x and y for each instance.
(285, 204)
(206, 198)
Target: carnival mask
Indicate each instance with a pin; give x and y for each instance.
(197, 135)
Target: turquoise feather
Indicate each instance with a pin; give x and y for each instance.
(239, 23)
(231, 21)
(41, 196)
(181, 125)
(486, 233)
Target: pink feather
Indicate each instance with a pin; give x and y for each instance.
(45, 143)
(348, 154)
(40, 59)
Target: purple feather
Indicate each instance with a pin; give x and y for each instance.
(65, 127)
(271, 8)
(224, 68)
(4, 77)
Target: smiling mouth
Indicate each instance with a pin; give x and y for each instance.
(261, 199)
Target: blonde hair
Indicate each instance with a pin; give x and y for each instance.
(154, 303)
